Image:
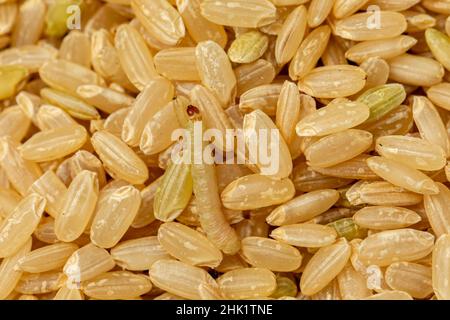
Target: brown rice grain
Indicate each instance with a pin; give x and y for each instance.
(345, 8)
(256, 191)
(45, 231)
(113, 216)
(39, 283)
(439, 44)
(76, 48)
(303, 207)
(8, 13)
(385, 218)
(145, 215)
(337, 148)
(106, 17)
(138, 254)
(87, 263)
(177, 64)
(390, 246)
(309, 52)
(215, 70)
(305, 235)
(256, 122)
(150, 40)
(67, 76)
(324, 266)
(19, 225)
(199, 28)
(439, 95)
(227, 173)
(52, 189)
(134, 56)
(158, 92)
(429, 123)
(382, 193)
(333, 118)
(118, 159)
(330, 292)
(29, 104)
(54, 143)
(21, 173)
(72, 105)
(66, 293)
(29, 23)
(270, 254)
(390, 295)
(305, 179)
(12, 79)
(47, 258)
(247, 283)
(174, 192)
(333, 81)
(9, 199)
(355, 168)
(156, 136)
(28, 297)
(413, 278)
(31, 57)
(249, 76)
(402, 175)
(414, 152)
(441, 268)
(262, 97)
(334, 53)
(377, 71)
(274, 28)
(438, 6)
(84, 160)
(248, 47)
(188, 245)
(105, 99)
(51, 117)
(14, 123)
(385, 48)
(291, 35)
(77, 206)
(181, 279)
(358, 27)
(117, 285)
(399, 121)
(114, 122)
(418, 21)
(437, 210)
(167, 27)
(352, 284)
(318, 11)
(105, 59)
(239, 13)
(401, 71)
(9, 273)
(288, 111)
(394, 5)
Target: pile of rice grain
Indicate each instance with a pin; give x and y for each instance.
(92, 207)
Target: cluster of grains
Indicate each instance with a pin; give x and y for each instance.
(92, 205)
